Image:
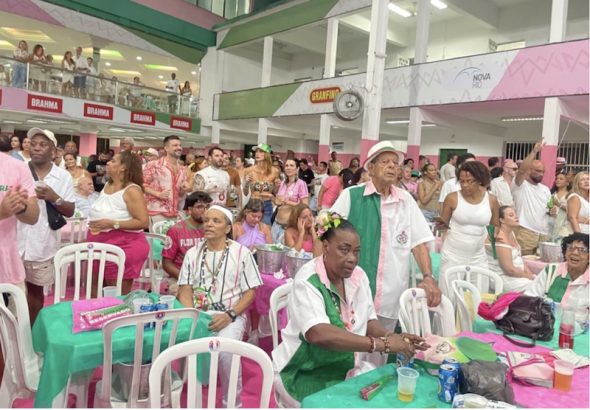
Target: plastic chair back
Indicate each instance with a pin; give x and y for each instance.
(89, 252)
(17, 350)
(149, 273)
(173, 319)
(214, 346)
(278, 300)
(466, 319)
(77, 233)
(159, 227)
(415, 318)
(480, 277)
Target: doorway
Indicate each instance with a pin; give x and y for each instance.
(443, 152)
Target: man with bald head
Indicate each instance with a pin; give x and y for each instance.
(85, 196)
(502, 186)
(531, 198)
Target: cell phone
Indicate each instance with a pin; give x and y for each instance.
(439, 219)
(40, 184)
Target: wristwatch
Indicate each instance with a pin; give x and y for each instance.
(232, 314)
(59, 202)
(116, 225)
(428, 275)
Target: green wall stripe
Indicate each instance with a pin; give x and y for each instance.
(296, 16)
(129, 14)
(164, 117)
(185, 53)
(262, 102)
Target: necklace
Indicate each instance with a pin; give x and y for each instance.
(347, 325)
(215, 272)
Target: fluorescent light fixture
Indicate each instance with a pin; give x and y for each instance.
(160, 77)
(428, 125)
(193, 72)
(11, 122)
(117, 129)
(36, 122)
(107, 64)
(397, 121)
(50, 121)
(139, 58)
(160, 67)
(126, 72)
(397, 9)
(530, 118)
(438, 4)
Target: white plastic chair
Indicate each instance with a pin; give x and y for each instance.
(109, 391)
(150, 274)
(465, 318)
(478, 276)
(22, 365)
(214, 346)
(414, 314)
(159, 227)
(89, 252)
(278, 300)
(77, 234)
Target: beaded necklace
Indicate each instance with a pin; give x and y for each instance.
(347, 325)
(215, 272)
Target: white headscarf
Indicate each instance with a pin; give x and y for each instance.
(225, 211)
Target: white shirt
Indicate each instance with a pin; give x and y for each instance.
(84, 204)
(250, 161)
(306, 308)
(237, 274)
(111, 206)
(448, 187)
(531, 205)
(577, 295)
(38, 242)
(215, 178)
(81, 62)
(91, 71)
(172, 85)
(400, 217)
(447, 172)
(319, 181)
(502, 191)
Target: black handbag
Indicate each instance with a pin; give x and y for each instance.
(527, 316)
(54, 217)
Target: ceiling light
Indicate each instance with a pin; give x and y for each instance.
(126, 72)
(438, 4)
(107, 64)
(530, 118)
(161, 67)
(397, 121)
(117, 129)
(68, 130)
(399, 10)
(37, 122)
(138, 58)
(429, 125)
(193, 72)
(160, 77)
(50, 120)
(11, 122)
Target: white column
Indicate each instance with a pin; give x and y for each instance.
(420, 56)
(331, 48)
(558, 21)
(375, 68)
(215, 133)
(267, 61)
(325, 129)
(262, 130)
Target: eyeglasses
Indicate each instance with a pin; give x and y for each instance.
(201, 207)
(469, 183)
(573, 248)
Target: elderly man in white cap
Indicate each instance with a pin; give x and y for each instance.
(38, 244)
(219, 276)
(390, 226)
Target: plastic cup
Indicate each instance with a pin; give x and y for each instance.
(169, 300)
(109, 291)
(138, 302)
(406, 383)
(564, 373)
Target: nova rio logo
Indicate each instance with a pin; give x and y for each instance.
(476, 76)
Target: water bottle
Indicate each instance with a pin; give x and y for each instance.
(567, 328)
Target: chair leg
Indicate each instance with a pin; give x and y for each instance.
(79, 388)
(6, 394)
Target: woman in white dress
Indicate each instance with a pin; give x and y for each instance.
(37, 69)
(4, 77)
(578, 207)
(68, 66)
(508, 262)
(558, 226)
(466, 214)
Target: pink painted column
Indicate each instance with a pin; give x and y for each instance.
(413, 152)
(87, 144)
(366, 145)
(551, 121)
(549, 158)
(323, 153)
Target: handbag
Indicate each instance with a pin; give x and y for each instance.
(527, 316)
(54, 217)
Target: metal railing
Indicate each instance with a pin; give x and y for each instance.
(575, 153)
(52, 79)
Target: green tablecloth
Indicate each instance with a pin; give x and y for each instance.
(435, 257)
(66, 353)
(347, 394)
(581, 342)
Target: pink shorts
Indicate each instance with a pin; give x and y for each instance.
(134, 245)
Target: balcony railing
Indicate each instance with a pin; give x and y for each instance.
(50, 79)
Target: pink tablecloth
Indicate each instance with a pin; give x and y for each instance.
(535, 265)
(535, 396)
(262, 301)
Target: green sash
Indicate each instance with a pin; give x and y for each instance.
(365, 215)
(558, 288)
(312, 368)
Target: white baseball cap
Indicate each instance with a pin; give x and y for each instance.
(380, 148)
(36, 131)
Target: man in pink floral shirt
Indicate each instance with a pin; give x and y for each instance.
(165, 183)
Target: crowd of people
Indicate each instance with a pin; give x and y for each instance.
(359, 224)
(77, 76)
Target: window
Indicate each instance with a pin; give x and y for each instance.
(575, 153)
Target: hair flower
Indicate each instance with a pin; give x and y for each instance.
(325, 221)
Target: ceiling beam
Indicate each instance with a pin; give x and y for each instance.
(398, 37)
(483, 11)
(465, 124)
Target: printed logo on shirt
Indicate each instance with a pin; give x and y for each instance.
(402, 238)
(4, 188)
(167, 243)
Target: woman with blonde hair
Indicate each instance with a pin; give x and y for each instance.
(263, 180)
(19, 68)
(68, 66)
(578, 207)
(301, 233)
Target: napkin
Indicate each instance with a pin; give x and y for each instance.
(279, 274)
(569, 356)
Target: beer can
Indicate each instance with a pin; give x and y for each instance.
(448, 384)
(451, 361)
(400, 361)
(161, 307)
(147, 307)
(551, 303)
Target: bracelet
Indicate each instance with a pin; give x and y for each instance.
(389, 334)
(387, 349)
(373, 344)
(428, 275)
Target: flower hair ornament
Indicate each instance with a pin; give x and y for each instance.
(326, 220)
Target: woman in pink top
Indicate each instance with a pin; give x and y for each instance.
(301, 232)
(331, 189)
(293, 191)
